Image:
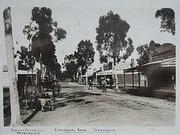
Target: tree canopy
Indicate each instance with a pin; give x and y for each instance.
(167, 17)
(26, 60)
(80, 59)
(112, 38)
(85, 54)
(43, 32)
(144, 52)
(70, 63)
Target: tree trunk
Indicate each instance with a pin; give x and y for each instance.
(40, 83)
(116, 78)
(114, 60)
(14, 97)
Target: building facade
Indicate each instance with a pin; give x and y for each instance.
(160, 71)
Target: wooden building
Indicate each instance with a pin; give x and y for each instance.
(160, 72)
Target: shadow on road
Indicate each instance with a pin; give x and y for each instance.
(78, 94)
(75, 97)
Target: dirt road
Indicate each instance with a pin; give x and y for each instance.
(82, 107)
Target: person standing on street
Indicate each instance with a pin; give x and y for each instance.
(104, 84)
(90, 85)
(111, 82)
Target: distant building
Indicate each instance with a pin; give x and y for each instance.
(113, 73)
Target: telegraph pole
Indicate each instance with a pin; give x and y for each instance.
(14, 98)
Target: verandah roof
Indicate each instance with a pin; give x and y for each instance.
(171, 62)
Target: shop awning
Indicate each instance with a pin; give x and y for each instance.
(109, 72)
(171, 62)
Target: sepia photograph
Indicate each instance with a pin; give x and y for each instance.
(88, 64)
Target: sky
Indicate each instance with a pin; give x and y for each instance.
(80, 18)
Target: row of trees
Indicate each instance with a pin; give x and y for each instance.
(112, 42)
(78, 62)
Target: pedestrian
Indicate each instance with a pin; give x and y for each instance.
(59, 88)
(54, 85)
(111, 82)
(99, 81)
(90, 85)
(104, 84)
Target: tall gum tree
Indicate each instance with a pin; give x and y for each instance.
(43, 32)
(112, 38)
(85, 54)
(112, 41)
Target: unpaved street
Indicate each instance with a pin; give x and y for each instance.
(82, 107)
